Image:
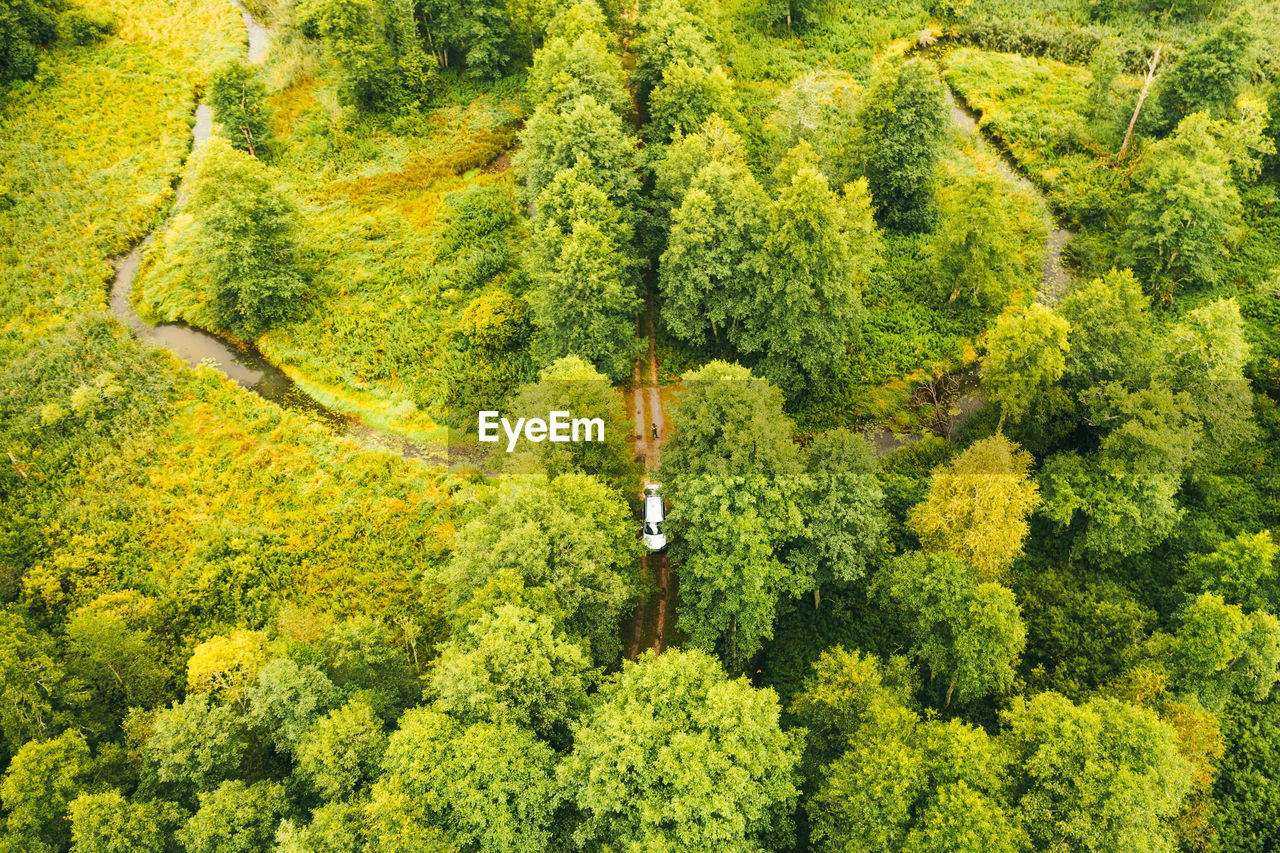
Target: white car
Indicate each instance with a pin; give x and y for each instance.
(655, 514)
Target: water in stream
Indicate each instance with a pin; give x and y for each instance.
(243, 365)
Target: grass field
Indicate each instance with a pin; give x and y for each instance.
(89, 151)
(375, 201)
(212, 502)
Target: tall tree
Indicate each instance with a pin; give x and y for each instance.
(564, 71)
(490, 788)
(974, 251)
(713, 264)
(585, 303)
(570, 384)
(732, 473)
(1102, 777)
(968, 634)
(583, 131)
(235, 818)
(43, 777)
(677, 757)
(1183, 213)
(341, 753)
(1026, 356)
(515, 666)
(238, 99)
(687, 96)
(819, 251)
(843, 507)
(245, 242)
(106, 822)
(375, 46)
(1211, 73)
(908, 125)
(566, 547)
(978, 506)
(668, 33)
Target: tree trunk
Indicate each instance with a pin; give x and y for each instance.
(1142, 96)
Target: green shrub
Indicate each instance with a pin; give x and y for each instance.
(86, 26)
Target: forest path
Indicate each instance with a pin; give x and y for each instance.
(652, 620)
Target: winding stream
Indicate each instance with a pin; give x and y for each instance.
(1055, 281)
(243, 365)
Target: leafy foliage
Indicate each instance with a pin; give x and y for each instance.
(245, 240)
(736, 788)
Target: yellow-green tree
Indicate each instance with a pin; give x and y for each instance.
(978, 506)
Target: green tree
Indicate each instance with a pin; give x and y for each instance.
(362, 654)
(1103, 777)
(713, 265)
(343, 750)
(245, 242)
(25, 27)
(1246, 790)
(733, 476)
(194, 745)
(978, 506)
(567, 547)
(335, 827)
(1202, 359)
(677, 757)
(564, 71)
(585, 303)
(108, 823)
(31, 679)
(914, 788)
(1111, 333)
(42, 778)
(1241, 570)
(585, 132)
(974, 250)
(843, 508)
(514, 666)
(374, 44)
(1211, 73)
(687, 96)
(570, 384)
(1218, 650)
(1183, 212)
(1105, 65)
(908, 123)
(479, 31)
(668, 34)
(819, 252)
(681, 162)
(236, 818)
(238, 99)
(490, 786)
(287, 699)
(848, 694)
(968, 634)
(820, 108)
(1026, 357)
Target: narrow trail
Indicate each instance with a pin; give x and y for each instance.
(652, 427)
(241, 363)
